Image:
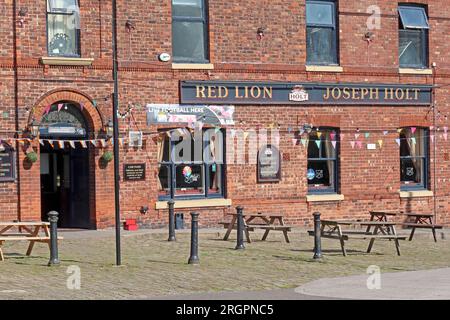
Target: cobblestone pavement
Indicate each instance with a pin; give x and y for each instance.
(153, 267)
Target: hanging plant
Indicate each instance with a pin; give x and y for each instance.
(32, 156)
(107, 156)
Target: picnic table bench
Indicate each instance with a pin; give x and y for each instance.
(253, 221)
(27, 231)
(414, 220)
(421, 220)
(332, 229)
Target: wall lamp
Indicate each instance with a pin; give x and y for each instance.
(33, 128)
(109, 129)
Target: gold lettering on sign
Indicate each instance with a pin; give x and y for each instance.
(346, 93)
(237, 95)
(255, 92)
(399, 94)
(389, 94)
(223, 92)
(326, 96)
(201, 92)
(364, 93)
(374, 94)
(212, 92)
(268, 92)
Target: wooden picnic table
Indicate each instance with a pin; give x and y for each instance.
(28, 231)
(332, 229)
(421, 220)
(252, 221)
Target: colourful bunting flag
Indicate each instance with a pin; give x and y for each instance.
(319, 134)
(60, 106)
(367, 135)
(380, 143)
(398, 141)
(432, 138)
(413, 140)
(359, 144)
(334, 144)
(61, 144)
(413, 130)
(47, 109)
(445, 135)
(41, 142)
(445, 129)
(103, 143)
(83, 144)
(50, 142)
(352, 143)
(72, 144)
(294, 142)
(233, 133)
(94, 142)
(318, 143)
(303, 141)
(385, 133)
(332, 135)
(356, 135)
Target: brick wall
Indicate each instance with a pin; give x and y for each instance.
(369, 179)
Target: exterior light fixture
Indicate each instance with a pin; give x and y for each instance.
(34, 128)
(109, 129)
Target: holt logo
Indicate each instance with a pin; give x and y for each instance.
(298, 94)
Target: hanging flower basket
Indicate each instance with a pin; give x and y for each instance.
(107, 156)
(32, 157)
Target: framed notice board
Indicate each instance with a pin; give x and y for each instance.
(7, 163)
(134, 172)
(269, 164)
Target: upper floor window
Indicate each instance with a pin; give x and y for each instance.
(413, 37)
(323, 152)
(63, 28)
(189, 31)
(413, 158)
(321, 33)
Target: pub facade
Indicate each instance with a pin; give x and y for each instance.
(340, 107)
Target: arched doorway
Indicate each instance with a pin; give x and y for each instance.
(64, 162)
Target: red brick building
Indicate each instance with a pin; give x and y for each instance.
(345, 90)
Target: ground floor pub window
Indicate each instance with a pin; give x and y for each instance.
(322, 172)
(413, 158)
(190, 164)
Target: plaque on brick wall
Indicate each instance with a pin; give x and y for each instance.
(7, 162)
(269, 164)
(134, 172)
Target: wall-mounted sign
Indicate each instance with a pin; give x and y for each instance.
(134, 172)
(269, 164)
(135, 139)
(273, 93)
(175, 113)
(7, 163)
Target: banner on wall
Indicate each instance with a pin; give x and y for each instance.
(175, 113)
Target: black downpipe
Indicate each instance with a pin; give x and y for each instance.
(116, 132)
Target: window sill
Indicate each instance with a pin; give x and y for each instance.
(324, 197)
(415, 71)
(416, 194)
(63, 61)
(202, 203)
(324, 69)
(193, 66)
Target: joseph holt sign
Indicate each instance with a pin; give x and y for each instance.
(273, 93)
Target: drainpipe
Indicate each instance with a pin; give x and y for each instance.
(116, 132)
(433, 105)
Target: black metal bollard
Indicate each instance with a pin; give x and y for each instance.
(53, 219)
(317, 238)
(240, 228)
(171, 205)
(193, 259)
